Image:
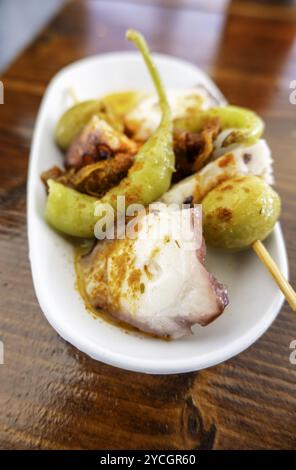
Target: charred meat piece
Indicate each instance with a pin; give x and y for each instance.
(54, 173)
(100, 157)
(193, 149)
(156, 281)
(94, 179)
(98, 141)
(97, 159)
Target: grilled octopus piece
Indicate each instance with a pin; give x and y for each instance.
(100, 156)
(158, 284)
(98, 141)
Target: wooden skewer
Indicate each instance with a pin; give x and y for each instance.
(269, 263)
(73, 95)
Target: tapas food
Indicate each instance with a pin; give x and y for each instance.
(177, 159)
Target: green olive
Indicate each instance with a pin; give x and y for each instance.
(240, 211)
(111, 107)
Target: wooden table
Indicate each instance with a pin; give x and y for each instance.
(53, 396)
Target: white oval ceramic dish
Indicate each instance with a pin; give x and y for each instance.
(254, 298)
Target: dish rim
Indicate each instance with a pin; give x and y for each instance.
(93, 349)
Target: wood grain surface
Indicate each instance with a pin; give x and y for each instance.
(53, 396)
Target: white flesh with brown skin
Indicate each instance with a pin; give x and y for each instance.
(157, 281)
(144, 119)
(243, 160)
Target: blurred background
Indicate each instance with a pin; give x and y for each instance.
(56, 397)
(21, 20)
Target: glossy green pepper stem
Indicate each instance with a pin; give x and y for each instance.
(150, 176)
(247, 126)
(141, 44)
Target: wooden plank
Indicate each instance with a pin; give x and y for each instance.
(53, 396)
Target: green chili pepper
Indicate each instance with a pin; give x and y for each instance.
(69, 211)
(150, 176)
(247, 126)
